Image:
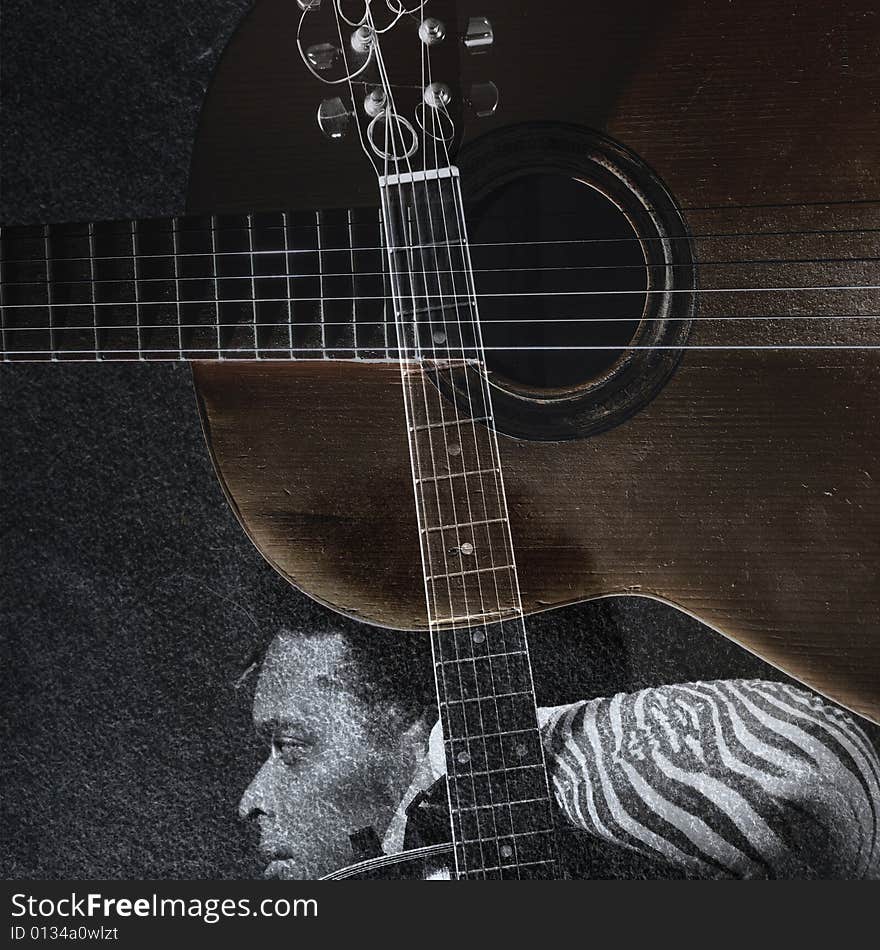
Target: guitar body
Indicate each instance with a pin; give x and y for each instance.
(741, 490)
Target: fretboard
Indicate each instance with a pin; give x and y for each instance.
(499, 796)
(283, 285)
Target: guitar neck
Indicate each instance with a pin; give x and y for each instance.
(283, 285)
(498, 792)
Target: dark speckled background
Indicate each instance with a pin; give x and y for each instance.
(130, 599)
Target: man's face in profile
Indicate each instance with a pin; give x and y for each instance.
(331, 762)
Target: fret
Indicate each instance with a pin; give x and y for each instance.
(503, 836)
(234, 286)
(304, 267)
(485, 590)
(113, 290)
(497, 775)
(481, 677)
(470, 572)
(175, 248)
(491, 751)
(489, 616)
(447, 500)
(25, 314)
(196, 288)
(49, 301)
(157, 290)
(285, 269)
(386, 276)
(457, 450)
(351, 263)
(506, 806)
(496, 696)
(478, 715)
(479, 789)
(3, 341)
(488, 656)
(368, 287)
(271, 285)
(250, 240)
(137, 308)
(336, 284)
(320, 281)
(543, 869)
(494, 824)
(463, 524)
(458, 421)
(92, 276)
(213, 225)
(445, 475)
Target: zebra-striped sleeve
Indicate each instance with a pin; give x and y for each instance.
(729, 778)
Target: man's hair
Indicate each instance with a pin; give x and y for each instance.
(382, 668)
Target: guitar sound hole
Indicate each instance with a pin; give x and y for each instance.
(585, 276)
(561, 277)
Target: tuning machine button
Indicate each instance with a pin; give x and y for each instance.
(432, 31)
(437, 95)
(307, 5)
(362, 39)
(479, 35)
(374, 102)
(483, 99)
(333, 118)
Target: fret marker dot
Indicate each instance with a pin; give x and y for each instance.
(506, 851)
(522, 750)
(438, 336)
(463, 757)
(467, 548)
(454, 449)
(479, 636)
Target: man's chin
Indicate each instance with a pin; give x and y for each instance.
(285, 869)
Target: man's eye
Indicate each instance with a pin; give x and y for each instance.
(290, 751)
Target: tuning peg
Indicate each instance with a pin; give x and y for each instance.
(432, 31)
(307, 5)
(483, 99)
(333, 118)
(374, 102)
(479, 35)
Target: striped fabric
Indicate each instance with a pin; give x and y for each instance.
(723, 779)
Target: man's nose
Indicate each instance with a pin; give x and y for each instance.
(257, 796)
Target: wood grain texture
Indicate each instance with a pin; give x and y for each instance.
(746, 492)
(734, 103)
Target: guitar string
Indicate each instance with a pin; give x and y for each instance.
(124, 225)
(696, 236)
(361, 324)
(543, 269)
(816, 288)
(237, 221)
(478, 466)
(436, 642)
(123, 236)
(499, 480)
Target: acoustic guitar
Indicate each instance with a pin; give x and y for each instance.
(596, 285)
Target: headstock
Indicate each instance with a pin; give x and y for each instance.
(395, 66)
